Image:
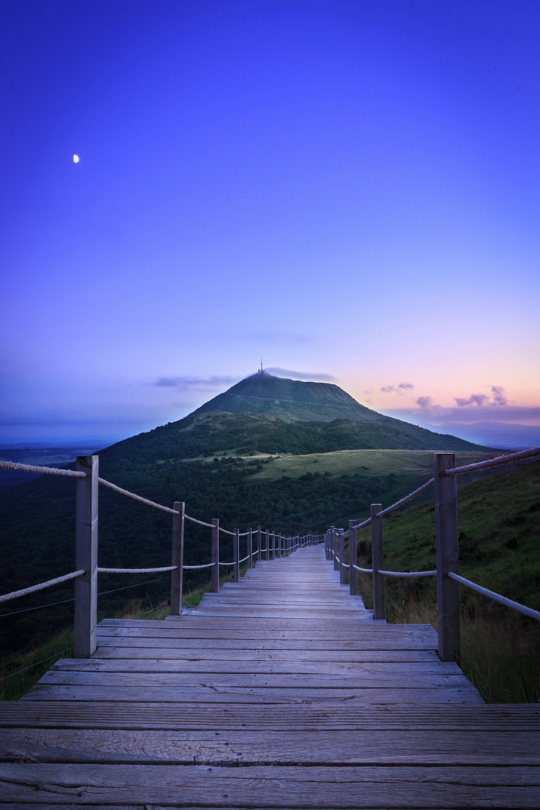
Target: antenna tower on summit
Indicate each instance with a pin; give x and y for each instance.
(261, 370)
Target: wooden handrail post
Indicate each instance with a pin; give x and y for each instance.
(278, 546)
(86, 557)
(236, 555)
(267, 544)
(334, 548)
(273, 545)
(446, 533)
(177, 558)
(215, 555)
(259, 544)
(249, 549)
(377, 557)
(353, 584)
(341, 552)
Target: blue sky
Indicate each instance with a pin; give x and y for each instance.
(349, 189)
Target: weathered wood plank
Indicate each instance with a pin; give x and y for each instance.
(231, 694)
(276, 786)
(104, 714)
(244, 650)
(319, 747)
(254, 662)
(247, 679)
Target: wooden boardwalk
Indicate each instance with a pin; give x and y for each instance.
(281, 691)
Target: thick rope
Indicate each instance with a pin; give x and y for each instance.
(137, 497)
(42, 585)
(363, 570)
(136, 570)
(200, 522)
(208, 565)
(408, 497)
(225, 531)
(410, 574)
(11, 465)
(245, 558)
(233, 563)
(534, 614)
(360, 525)
(495, 462)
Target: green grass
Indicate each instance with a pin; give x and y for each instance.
(366, 463)
(499, 531)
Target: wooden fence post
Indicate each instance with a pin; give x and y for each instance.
(446, 533)
(236, 555)
(377, 557)
(267, 544)
(341, 552)
(177, 558)
(259, 544)
(86, 557)
(215, 555)
(249, 549)
(334, 548)
(353, 573)
(273, 545)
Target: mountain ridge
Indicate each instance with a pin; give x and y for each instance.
(290, 399)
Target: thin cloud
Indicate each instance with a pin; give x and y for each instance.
(301, 375)
(194, 383)
(392, 389)
(475, 399)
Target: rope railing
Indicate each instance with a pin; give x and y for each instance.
(447, 550)
(86, 548)
(11, 465)
(192, 567)
(533, 614)
(407, 573)
(129, 494)
(42, 585)
(495, 462)
(407, 498)
(199, 522)
(137, 570)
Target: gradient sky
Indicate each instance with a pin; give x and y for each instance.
(349, 189)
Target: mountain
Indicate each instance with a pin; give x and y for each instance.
(312, 404)
(290, 399)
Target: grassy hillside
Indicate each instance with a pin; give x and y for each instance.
(365, 463)
(216, 432)
(499, 548)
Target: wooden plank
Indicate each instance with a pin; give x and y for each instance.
(247, 679)
(370, 630)
(304, 716)
(190, 649)
(271, 747)
(275, 786)
(220, 661)
(231, 694)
